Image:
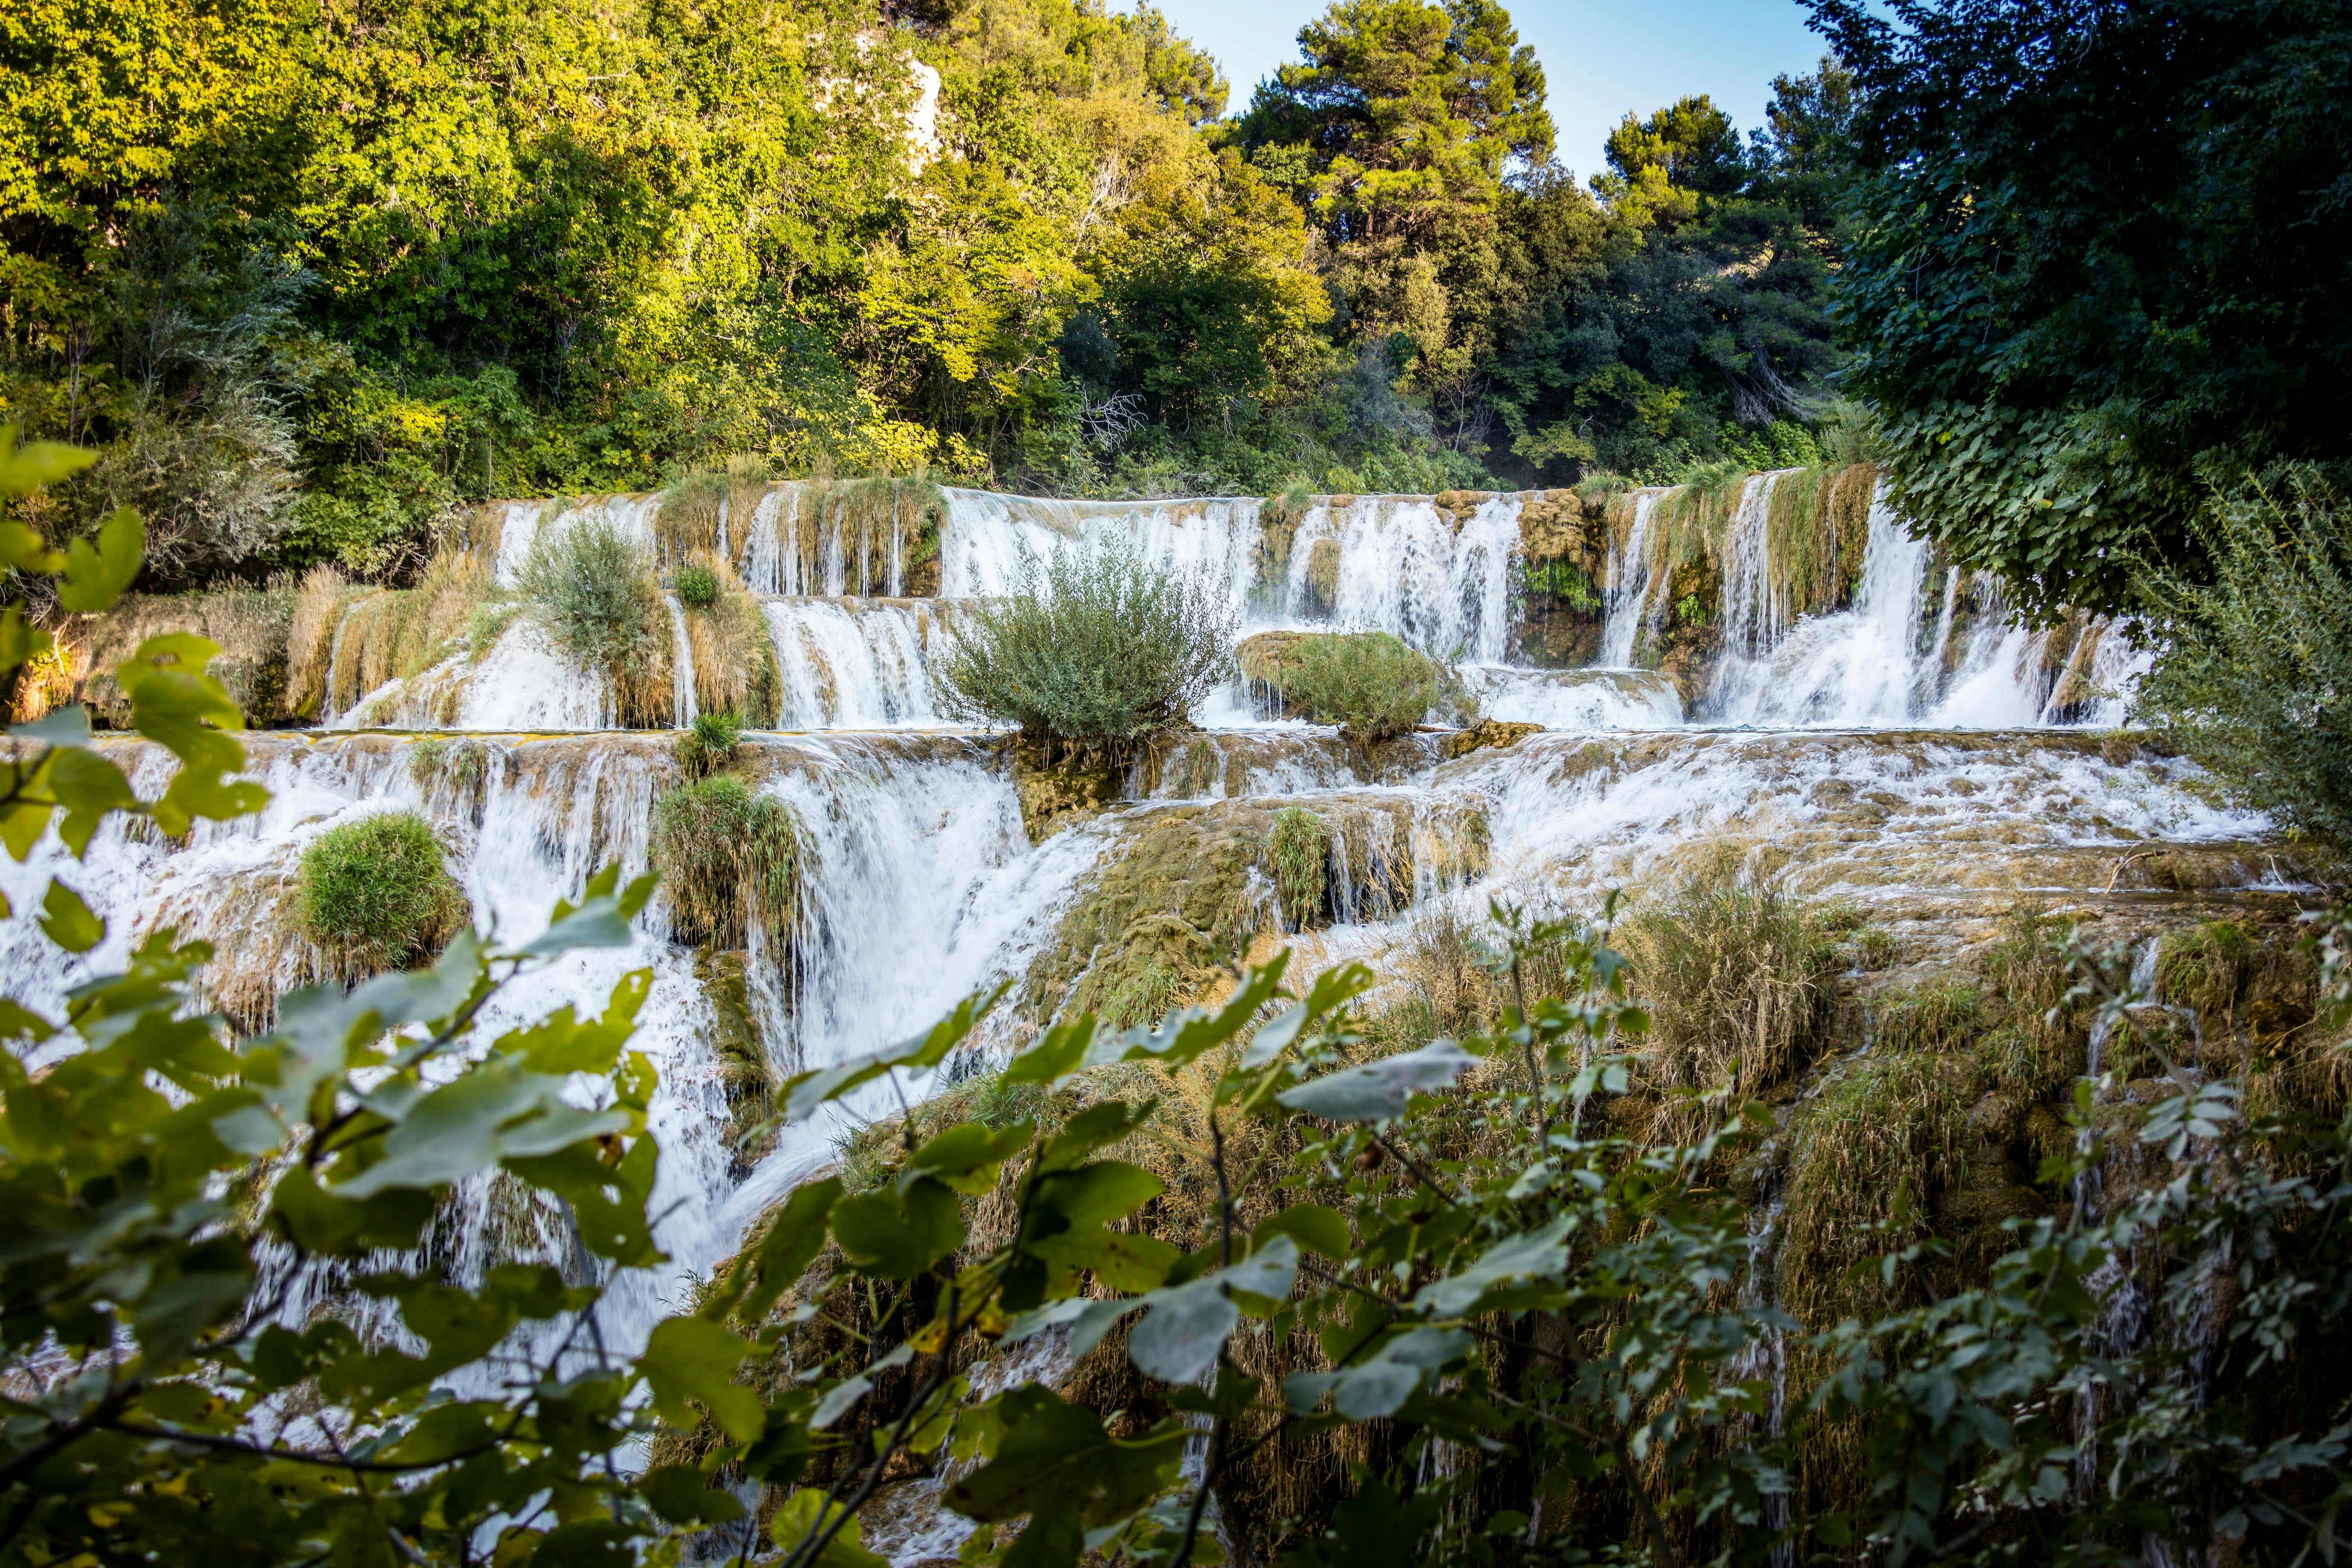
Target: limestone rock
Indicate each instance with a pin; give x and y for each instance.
(1489, 732)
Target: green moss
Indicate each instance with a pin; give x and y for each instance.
(728, 861)
(1298, 854)
(710, 745)
(2205, 966)
(1369, 682)
(452, 763)
(374, 895)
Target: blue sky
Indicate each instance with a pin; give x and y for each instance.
(1600, 59)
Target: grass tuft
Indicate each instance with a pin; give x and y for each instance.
(1298, 854)
(1369, 682)
(592, 588)
(1739, 977)
(374, 895)
(710, 745)
(728, 861)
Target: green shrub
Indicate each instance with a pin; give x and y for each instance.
(2255, 666)
(453, 762)
(374, 895)
(1369, 682)
(710, 745)
(592, 589)
(1096, 648)
(697, 585)
(1298, 854)
(728, 861)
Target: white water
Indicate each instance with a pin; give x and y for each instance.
(1575, 699)
(852, 664)
(681, 670)
(1627, 595)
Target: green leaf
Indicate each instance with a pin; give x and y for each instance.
(68, 920)
(806, 1092)
(1379, 1384)
(1376, 1091)
(1514, 1260)
(96, 577)
(1061, 1051)
(1184, 1326)
(766, 1267)
(492, 1113)
(1056, 1464)
(803, 1514)
(1319, 1230)
(682, 1494)
(694, 1359)
(38, 464)
(968, 1156)
(902, 1230)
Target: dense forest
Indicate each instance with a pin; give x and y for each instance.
(311, 274)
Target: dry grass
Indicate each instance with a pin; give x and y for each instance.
(1738, 978)
(402, 633)
(734, 661)
(318, 604)
(251, 625)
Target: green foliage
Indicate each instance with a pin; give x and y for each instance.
(1298, 853)
(2252, 663)
(591, 588)
(728, 861)
(697, 586)
(1370, 683)
(2091, 267)
(710, 744)
(374, 895)
(1096, 648)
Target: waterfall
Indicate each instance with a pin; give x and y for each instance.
(988, 540)
(1627, 595)
(1404, 570)
(681, 675)
(1576, 699)
(1900, 655)
(849, 664)
(631, 517)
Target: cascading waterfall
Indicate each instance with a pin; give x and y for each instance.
(920, 884)
(1628, 592)
(854, 665)
(682, 704)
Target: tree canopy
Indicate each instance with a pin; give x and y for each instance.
(2102, 253)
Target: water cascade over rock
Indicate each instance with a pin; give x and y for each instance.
(1778, 671)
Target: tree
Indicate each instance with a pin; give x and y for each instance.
(2100, 250)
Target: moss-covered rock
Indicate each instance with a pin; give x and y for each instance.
(1498, 732)
(1060, 788)
(1182, 891)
